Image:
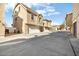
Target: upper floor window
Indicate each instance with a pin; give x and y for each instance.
(32, 16)
(39, 19)
(19, 8)
(43, 24)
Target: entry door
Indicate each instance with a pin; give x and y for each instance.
(75, 29)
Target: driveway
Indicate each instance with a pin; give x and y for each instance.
(54, 44)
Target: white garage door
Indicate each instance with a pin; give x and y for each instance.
(33, 30)
(46, 30)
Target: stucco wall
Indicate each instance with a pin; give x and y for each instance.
(2, 26)
(75, 11)
(76, 17)
(17, 23)
(25, 15)
(69, 20)
(30, 20)
(78, 27)
(40, 20)
(47, 23)
(22, 13)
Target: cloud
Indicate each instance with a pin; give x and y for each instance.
(28, 4)
(55, 13)
(44, 8)
(8, 13)
(55, 23)
(51, 10)
(41, 11)
(9, 6)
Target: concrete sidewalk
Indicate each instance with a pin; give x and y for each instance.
(26, 36)
(75, 44)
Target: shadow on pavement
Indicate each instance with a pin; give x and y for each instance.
(23, 39)
(26, 39)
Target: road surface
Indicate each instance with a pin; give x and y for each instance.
(54, 44)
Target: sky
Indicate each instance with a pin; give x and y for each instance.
(51, 11)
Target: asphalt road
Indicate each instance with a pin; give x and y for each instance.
(54, 44)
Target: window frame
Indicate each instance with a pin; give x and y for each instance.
(32, 16)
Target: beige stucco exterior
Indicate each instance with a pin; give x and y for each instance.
(47, 25)
(28, 21)
(75, 27)
(68, 21)
(2, 26)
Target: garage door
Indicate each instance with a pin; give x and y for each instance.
(46, 30)
(33, 29)
(75, 29)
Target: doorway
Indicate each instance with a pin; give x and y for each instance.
(75, 29)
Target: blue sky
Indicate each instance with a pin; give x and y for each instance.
(50, 11)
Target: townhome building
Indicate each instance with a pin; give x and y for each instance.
(40, 22)
(2, 25)
(47, 25)
(68, 21)
(26, 21)
(75, 20)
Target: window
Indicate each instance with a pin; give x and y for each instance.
(19, 9)
(39, 19)
(32, 16)
(43, 24)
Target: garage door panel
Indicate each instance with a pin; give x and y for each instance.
(33, 29)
